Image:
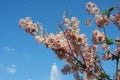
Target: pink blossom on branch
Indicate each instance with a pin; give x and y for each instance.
(117, 51)
(72, 47)
(92, 8)
(98, 37)
(66, 44)
(28, 25)
(102, 21)
(116, 20)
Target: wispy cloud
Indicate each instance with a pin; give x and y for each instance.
(11, 69)
(1, 66)
(6, 48)
(54, 73)
(29, 79)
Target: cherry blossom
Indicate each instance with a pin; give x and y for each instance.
(92, 8)
(116, 20)
(98, 36)
(72, 46)
(102, 21)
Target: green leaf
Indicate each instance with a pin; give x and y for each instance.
(109, 41)
(106, 75)
(108, 15)
(107, 10)
(104, 13)
(111, 9)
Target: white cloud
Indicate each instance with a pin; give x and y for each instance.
(1, 66)
(11, 69)
(6, 48)
(54, 73)
(29, 79)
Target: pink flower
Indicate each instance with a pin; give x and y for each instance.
(66, 69)
(92, 8)
(28, 26)
(117, 41)
(102, 21)
(90, 5)
(97, 36)
(72, 25)
(88, 22)
(40, 39)
(93, 49)
(105, 46)
(116, 20)
(81, 39)
(117, 51)
(21, 23)
(107, 56)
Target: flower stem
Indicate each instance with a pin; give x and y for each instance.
(117, 64)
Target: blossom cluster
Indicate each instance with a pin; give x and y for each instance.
(102, 20)
(72, 47)
(28, 25)
(98, 37)
(68, 44)
(92, 8)
(116, 20)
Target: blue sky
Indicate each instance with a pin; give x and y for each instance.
(21, 58)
